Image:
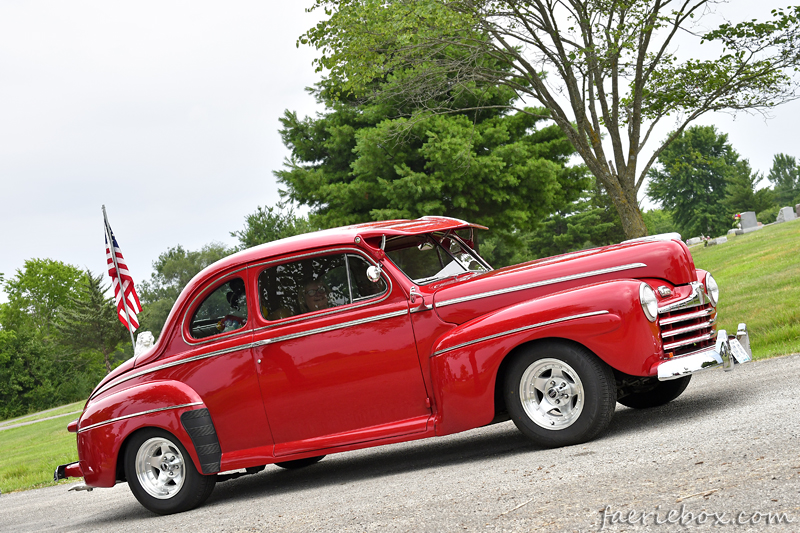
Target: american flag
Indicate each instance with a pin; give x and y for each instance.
(124, 293)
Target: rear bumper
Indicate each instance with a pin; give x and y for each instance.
(67, 471)
(727, 351)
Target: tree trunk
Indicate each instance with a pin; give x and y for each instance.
(628, 210)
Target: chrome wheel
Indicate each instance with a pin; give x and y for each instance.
(552, 394)
(160, 468)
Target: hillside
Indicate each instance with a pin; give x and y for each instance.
(759, 278)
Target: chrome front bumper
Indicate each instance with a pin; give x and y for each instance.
(727, 351)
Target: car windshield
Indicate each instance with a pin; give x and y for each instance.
(430, 257)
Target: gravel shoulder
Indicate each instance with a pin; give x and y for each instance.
(725, 451)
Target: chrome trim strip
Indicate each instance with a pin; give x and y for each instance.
(518, 330)
(687, 342)
(694, 327)
(687, 316)
(125, 417)
(127, 377)
(332, 327)
(539, 284)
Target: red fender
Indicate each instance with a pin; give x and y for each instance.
(108, 421)
(607, 318)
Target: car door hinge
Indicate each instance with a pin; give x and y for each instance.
(428, 403)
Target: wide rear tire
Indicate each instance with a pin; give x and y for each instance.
(559, 394)
(161, 473)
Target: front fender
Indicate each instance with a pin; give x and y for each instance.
(606, 318)
(107, 422)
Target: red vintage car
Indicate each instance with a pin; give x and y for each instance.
(387, 332)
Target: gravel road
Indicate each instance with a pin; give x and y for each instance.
(725, 452)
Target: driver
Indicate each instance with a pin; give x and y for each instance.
(314, 296)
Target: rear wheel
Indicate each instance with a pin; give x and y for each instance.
(560, 394)
(300, 463)
(161, 474)
(661, 393)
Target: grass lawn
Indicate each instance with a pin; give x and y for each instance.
(759, 279)
(30, 454)
(58, 411)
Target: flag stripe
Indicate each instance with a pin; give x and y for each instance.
(121, 281)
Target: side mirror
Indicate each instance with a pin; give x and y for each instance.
(374, 274)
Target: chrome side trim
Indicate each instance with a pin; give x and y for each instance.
(518, 330)
(151, 411)
(539, 284)
(332, 327)
(127, 377)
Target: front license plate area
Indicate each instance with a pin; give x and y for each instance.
(738, 351)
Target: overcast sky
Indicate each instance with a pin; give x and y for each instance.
(167, 112)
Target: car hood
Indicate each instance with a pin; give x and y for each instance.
(650, 258)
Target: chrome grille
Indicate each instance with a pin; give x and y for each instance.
(688, 330)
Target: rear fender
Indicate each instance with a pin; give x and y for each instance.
(606, 318)
(108, 422)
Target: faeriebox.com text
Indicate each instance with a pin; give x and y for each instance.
(683, 517)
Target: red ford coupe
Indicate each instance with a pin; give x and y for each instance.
(387, 332)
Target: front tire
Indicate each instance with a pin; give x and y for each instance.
(662, 392)
(161, 474)
(559, 394)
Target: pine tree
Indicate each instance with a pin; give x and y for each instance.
(90, 322)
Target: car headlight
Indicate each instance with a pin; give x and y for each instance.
(712, 289)
(647, 297)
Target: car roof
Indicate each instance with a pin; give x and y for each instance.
(329, 237)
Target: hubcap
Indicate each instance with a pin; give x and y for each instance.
(160, 468)
(551, 393)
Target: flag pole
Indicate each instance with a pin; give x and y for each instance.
(110, 239)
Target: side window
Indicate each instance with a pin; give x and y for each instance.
(314, 284)
(224, 310)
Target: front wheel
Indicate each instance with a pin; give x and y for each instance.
(161, 474)
(560, 394)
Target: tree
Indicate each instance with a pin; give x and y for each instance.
(356, 163)
(691, 180)
(785, 175)
(37, 292)
(658, 221)
(173, 270)
(741, 193)
(604, 70)
(270, 223)
(91, 323)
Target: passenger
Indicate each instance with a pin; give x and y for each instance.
(314, 296)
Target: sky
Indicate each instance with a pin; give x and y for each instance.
(167, 112)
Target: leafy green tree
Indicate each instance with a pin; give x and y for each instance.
(658, 221)
(173, 270)
(91, 324)
(785, 175)
(270, 223)
(37, 292)
(741, 193)
(605, 71)
(357, 163)
(24, 368)
(691, 180)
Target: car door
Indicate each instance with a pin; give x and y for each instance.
(339, 371)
